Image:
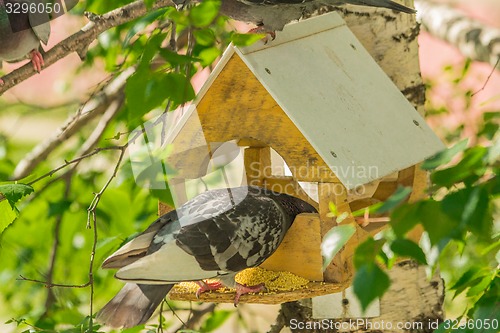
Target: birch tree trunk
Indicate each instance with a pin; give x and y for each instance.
(412, 304)
(474, 39)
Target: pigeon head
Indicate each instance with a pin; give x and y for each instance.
(294, 206)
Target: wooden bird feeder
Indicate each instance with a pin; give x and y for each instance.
(317, 98)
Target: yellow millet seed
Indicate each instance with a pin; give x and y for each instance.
(274, 281)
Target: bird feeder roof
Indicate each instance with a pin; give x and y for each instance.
(342, 102)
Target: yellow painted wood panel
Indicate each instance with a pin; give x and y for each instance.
(237, 107)
(300, 251)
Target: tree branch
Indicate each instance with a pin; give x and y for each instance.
(474, 39)
(80, 41)
(92, 109)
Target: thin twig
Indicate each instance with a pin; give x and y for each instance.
(49, 301)
(51, 285)
(92, 215)
(73, 161)
(68, 163)
(488, 78)
(160, 324)
(175, 315)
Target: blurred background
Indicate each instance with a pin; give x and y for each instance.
(463, 101)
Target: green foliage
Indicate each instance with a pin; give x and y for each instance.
(204, 14)
(215, 320)
(14, 192)
(460, 226)
(445, 156)
(371, 282)
(49, 238)
(334, 240)
(408, 249)
(245, 39)
(46, 237)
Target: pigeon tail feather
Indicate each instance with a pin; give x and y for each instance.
(133, 305)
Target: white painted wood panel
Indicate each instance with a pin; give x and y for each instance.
(341, 100)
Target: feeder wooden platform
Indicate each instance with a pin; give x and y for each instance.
(312, 289)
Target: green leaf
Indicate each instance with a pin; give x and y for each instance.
(440, 227)
(14, 192)
(342, 217)
(7, 215)
(205, 37)
(444, 156)
(215, 320)
(404, 218)
(164, 195)
(371, 209)
(333, 209)
(367, 251)
(58, 208)
(143, 92)
(476, 213)
(177, 59)
(468, 170)
(489, 130)
(407, 248)
(469, 208)
(334, 240)
(370, 283)
(494, 152)
(205, 13)
(395, 199)
(479, 286)
(149, 3)
(152, 47)
(177, 88)
(136, 329)
(208, 55)
(487, 309)
(467, 279)
(245, 39)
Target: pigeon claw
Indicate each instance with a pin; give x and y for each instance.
(262, 30)
(242, 290)
(207, 286)
(37, 60)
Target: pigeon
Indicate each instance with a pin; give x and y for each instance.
(215, 235)
(21, 33)
(273, 15)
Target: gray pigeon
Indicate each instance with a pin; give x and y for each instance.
(21, 34)
(215, 235)
(273, 15)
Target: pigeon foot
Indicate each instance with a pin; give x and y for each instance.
(37, 60)
(1, 82)
(207, 286)
(242, 290)
(262, 30)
